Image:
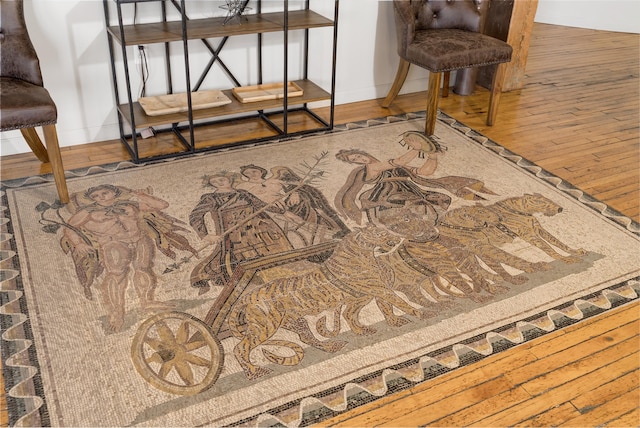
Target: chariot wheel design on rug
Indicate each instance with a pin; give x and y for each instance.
(271, 284)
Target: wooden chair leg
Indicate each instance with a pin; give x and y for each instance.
(496, 91)
(31, 137)
(53, 149)
(432, 103)
(446, 79)
(401, 75)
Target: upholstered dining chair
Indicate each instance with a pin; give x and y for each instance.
(24, 103)
(442, 36)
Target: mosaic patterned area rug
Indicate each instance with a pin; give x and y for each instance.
(287, 282)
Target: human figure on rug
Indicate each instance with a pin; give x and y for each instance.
(116, 230)
(393, 183)
(307, 212)
(243, 230)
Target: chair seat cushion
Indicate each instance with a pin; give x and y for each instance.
(440, 50)
(24, 105)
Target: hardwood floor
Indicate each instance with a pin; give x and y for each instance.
(577, 116)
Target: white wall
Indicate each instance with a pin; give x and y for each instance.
(71, 40)
(609, 15)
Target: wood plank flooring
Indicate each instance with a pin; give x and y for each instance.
(576, 116)
(541, 383)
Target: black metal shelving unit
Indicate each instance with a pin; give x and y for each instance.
(132, 117)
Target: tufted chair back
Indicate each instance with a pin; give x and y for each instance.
(442, 36)
(437, 14)
(19, 60)
(412, 15)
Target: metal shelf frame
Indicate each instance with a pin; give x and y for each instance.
(181, 31)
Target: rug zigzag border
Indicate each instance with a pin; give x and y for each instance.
(22, 383)
(17, 183)
(327, 404)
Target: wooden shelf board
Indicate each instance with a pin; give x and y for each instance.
(160, 32)
(270, 91)
(312, 93)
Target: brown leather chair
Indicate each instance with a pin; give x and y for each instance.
(442, 36)
(24, 102)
